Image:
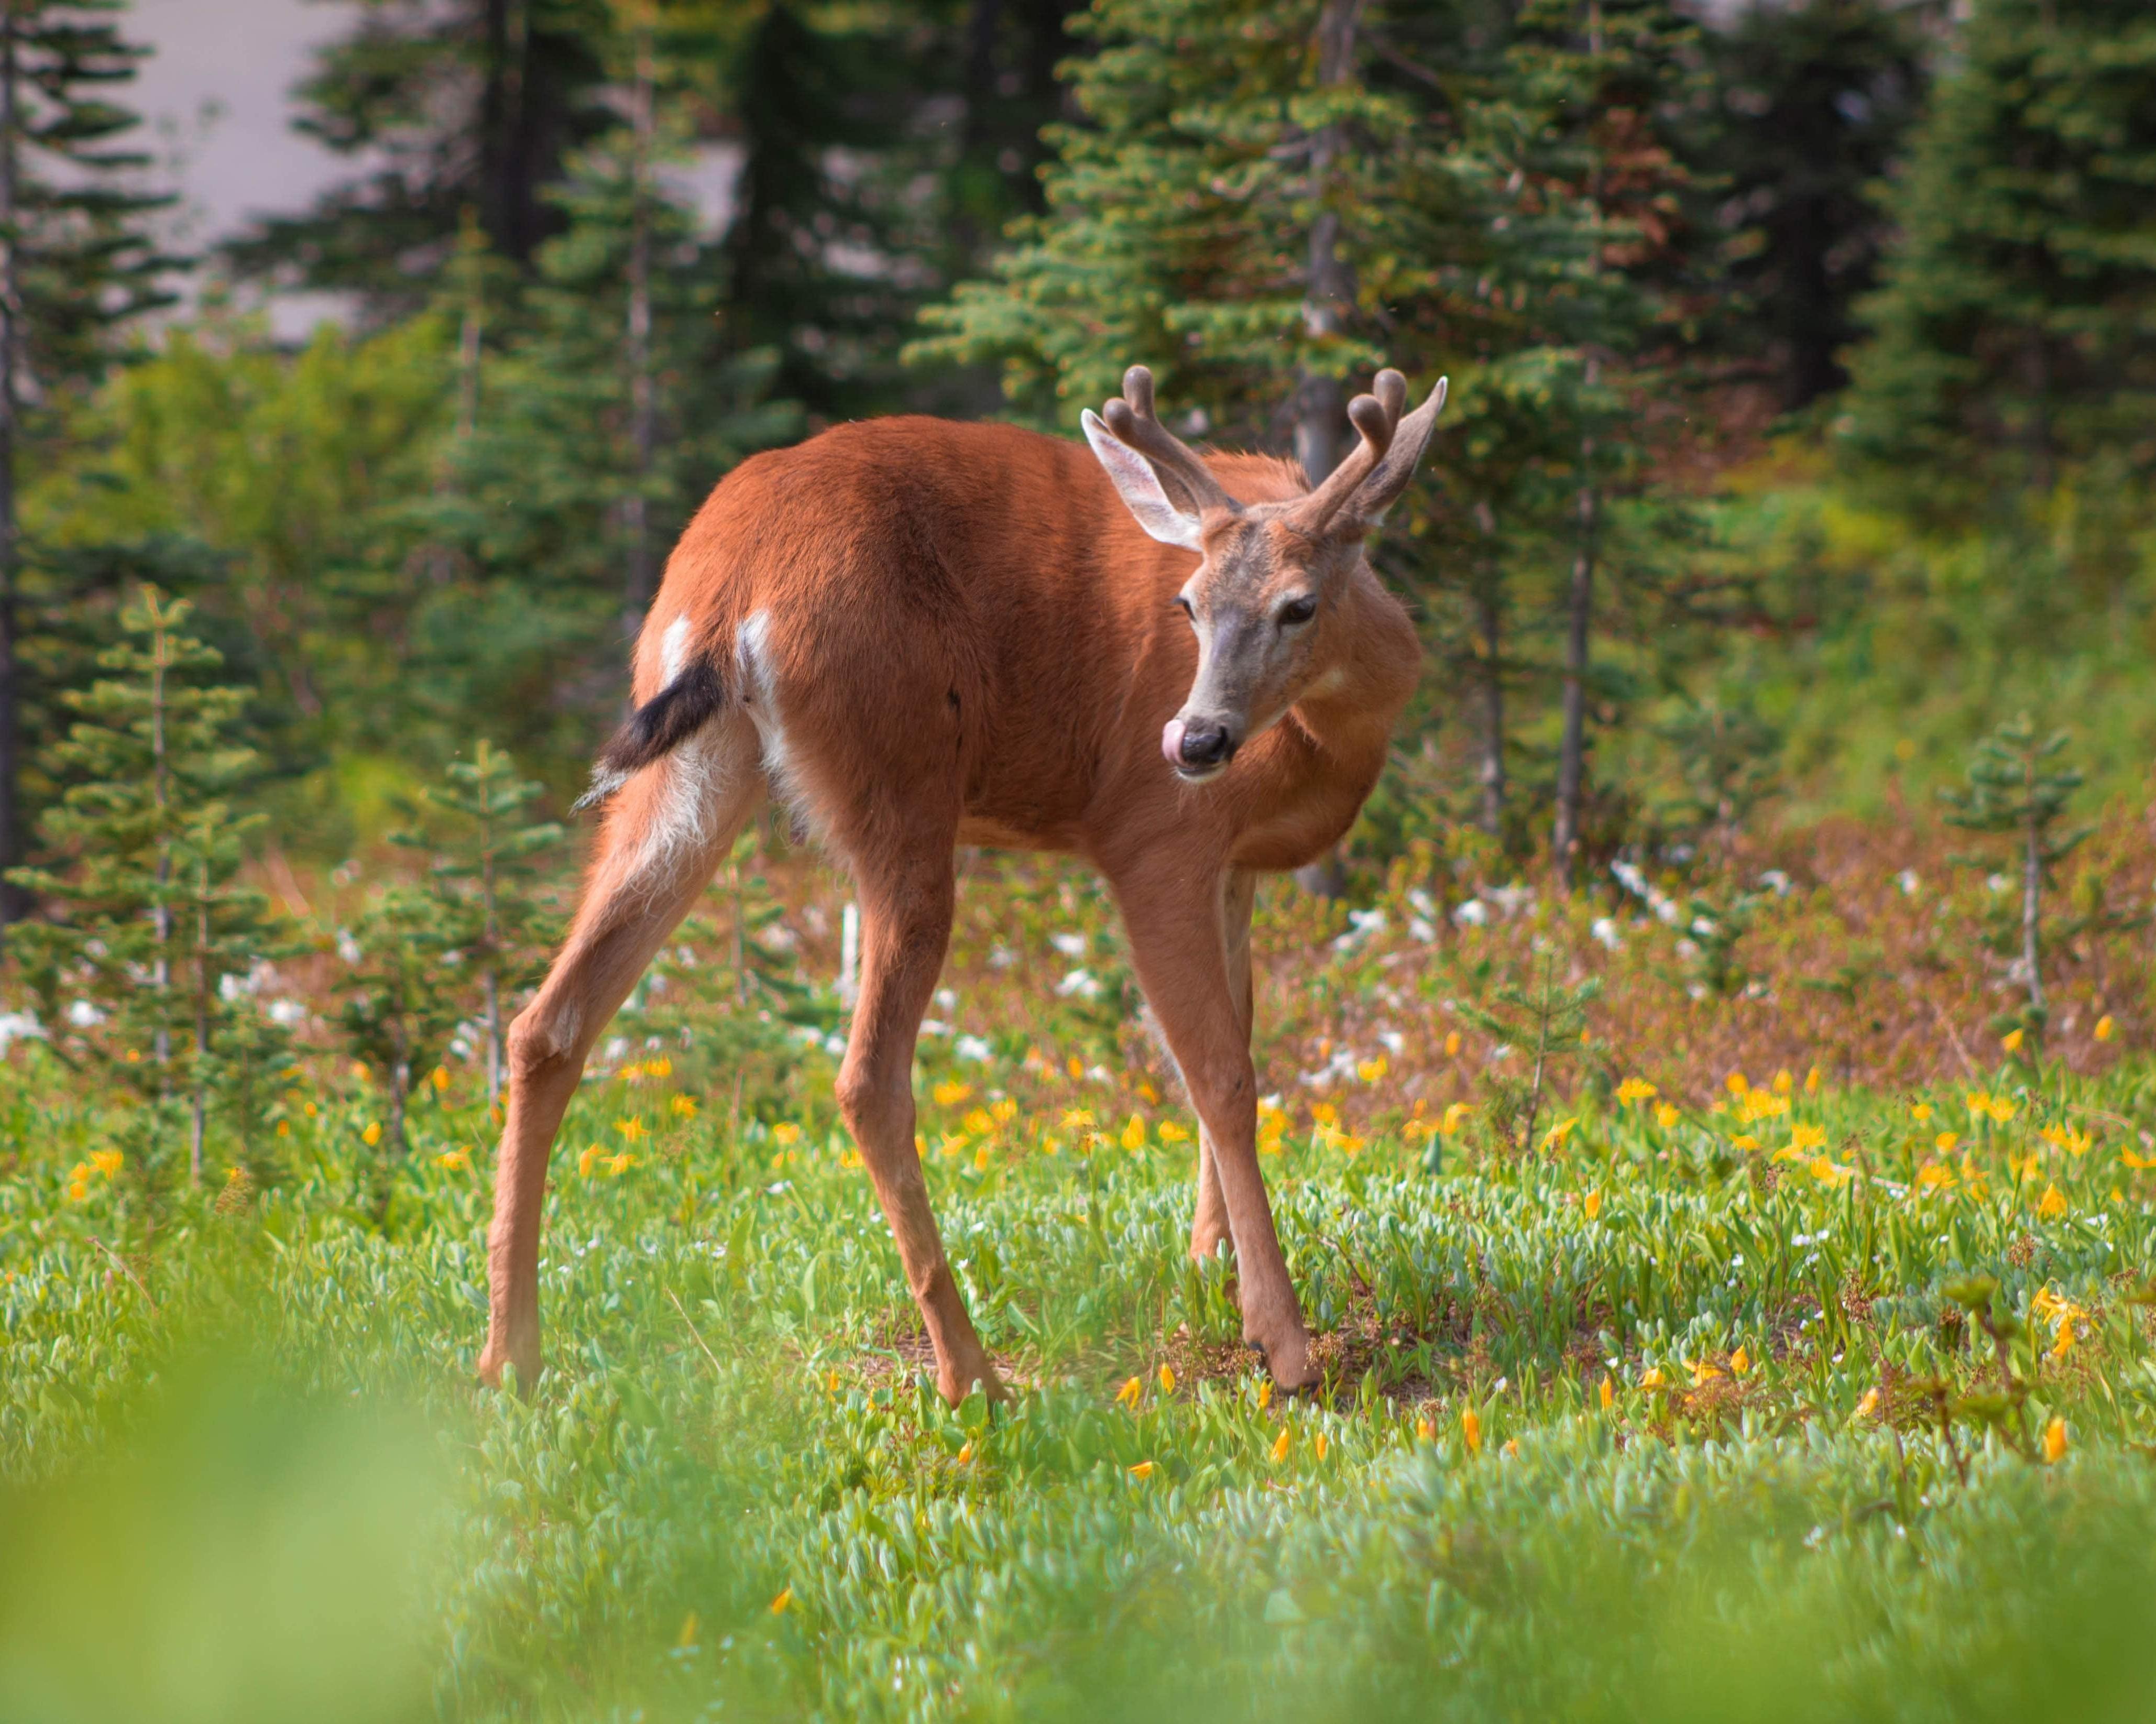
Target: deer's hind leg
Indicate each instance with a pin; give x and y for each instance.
(905, 902)
(665, 834)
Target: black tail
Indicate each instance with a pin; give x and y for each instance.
(658, 727)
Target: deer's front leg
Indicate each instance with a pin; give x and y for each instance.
(906, 925)
(1180, 948)
(1209, 1227)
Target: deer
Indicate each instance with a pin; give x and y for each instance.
(917, 634)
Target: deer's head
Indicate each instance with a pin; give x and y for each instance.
(1270, 576)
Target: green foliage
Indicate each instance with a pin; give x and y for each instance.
(2009, 341)
(404, 990)
(156, 938)
(276, 1427)
(2019, 787)
(486, 869)
(1811, 108)
(441, 110)
(1536, 1027)
(87, 258)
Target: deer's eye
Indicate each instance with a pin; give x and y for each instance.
(1183, 604)
(1298, 610)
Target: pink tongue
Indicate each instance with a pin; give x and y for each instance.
(1171, 741)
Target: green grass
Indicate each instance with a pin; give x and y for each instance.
(249, 1476)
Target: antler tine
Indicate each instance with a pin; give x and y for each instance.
(1375, 416)
(1133, 421)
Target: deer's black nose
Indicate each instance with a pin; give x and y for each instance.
(1205, 744)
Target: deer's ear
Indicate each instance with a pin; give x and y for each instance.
(1140, 487)
(1382, 490)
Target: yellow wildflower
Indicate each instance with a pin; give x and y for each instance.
(1425, 1429)
(1867, 1404)
(373, 1134)
(1169, 1132)
(1455, 1116)
(1829, 1173)
(1654, 1378)
(1740, 1362)
(1452, 1045)
(1131, 1392)
(631, 1128)
(78, 1191)
(1946, 1142)
(780, 1604)
(1607, 1394)
(2105, 1028)
(1559, 1133)
(1744, 1141)
(2131, 1160)
(1320, 1445)
(1736, 1083)
(592, 1153)
(1784, 1081)
(1920, 1112)
(1471, 1427)
(1282, 1443)
(2054, 1440)
(1592, 1203)
(1167, 1380)
(106, 1161)
(1370, 1070)
(1634, 1089)
(1075, 1067)
(1812, 1081)
(980, 1122)
(1004, 1110)
(439, 1077)
(452, 1159)
(618, 1165)
(1666, 1115)
(785, 1133)
(1265, 1394)
(1143, 1469)
(1325, 1113)
(1802, 1137)
(951, 1092)
(684, 1107)
(966, 1452)
(1077, 1119)
(2011, 1041)
(2053, 1204)
(659, 1068)
(1134, 1134)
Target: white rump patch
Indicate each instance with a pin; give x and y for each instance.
(673, 646)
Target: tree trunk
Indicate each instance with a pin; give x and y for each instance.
(1490, 622)
(2032, 887)
(1320, 412)
(12, 839)
(1579, 616)
(642, 407)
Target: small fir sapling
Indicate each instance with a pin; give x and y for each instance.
(1726, 756)
(406, 988)
(1546, 1023)
(486, 872)
(148, 955)
(2019, 786)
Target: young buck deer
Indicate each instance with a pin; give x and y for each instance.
(920, 634)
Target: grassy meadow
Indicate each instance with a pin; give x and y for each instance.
(1800, 1368)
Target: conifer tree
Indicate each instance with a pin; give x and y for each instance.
(485, 872)
(609, 411)
(2011, 338)
(406, 988)
(1812, 109)
(2020, 787)
(77, 260)
(476, 104)
(155, 937)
